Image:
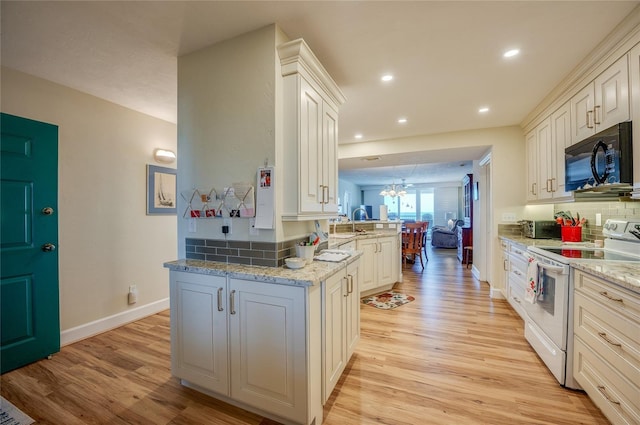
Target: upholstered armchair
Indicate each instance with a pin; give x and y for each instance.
(446, 236)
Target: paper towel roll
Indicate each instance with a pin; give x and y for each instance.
(384, 213)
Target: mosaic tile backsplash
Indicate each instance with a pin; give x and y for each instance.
(588, 210)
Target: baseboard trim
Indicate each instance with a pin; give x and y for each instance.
(496, 293)
(90, 329)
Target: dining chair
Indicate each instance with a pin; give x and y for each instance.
(412, 238)
(425, 227)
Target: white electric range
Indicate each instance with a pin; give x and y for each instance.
(549, 322)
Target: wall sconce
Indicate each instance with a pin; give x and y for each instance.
(164, 156)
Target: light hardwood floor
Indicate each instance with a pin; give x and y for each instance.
(453, 356)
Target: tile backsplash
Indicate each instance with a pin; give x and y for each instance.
(588, 210)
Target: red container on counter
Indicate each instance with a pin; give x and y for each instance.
(571, 233)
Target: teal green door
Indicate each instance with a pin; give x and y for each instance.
(29, 299)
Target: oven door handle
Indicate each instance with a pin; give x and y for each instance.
(561, 270)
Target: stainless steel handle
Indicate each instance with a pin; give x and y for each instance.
(326, 200)
(595, 115)
(548, 182)
(232, 301)
(553, 187)
(48, 247)
(606, 295)
(47, 211)
(552, 268)
(220, 308)
(350, 287)
(606, 338)
(603, 391)
(588, 119)
(322, 189)
(534, 188)
(347, 293)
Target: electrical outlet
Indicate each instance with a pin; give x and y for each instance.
(227, 222)
(509, 217)
(132, 296)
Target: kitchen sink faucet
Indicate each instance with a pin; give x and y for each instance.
(353, 218)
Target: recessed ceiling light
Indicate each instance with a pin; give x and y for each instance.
(358, 136)
(483, 110)
(511, 53)
(387, 77)
(402, 120)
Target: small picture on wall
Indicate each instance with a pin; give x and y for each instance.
(161, 190)
(265, 178)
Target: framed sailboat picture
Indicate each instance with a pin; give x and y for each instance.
(161, 190)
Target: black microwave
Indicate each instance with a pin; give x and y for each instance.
(602, 159)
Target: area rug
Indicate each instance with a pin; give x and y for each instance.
(11, 415)
(387, 300)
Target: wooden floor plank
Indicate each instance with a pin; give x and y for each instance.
(452, 356)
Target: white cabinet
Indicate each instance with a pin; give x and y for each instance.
(380, 260)
(248, 342)
(607, 346)
(602, 103)
(268, 347)
(634, 79)
(199, 330)
(341, 322)
(545, 147)
(310, 135)
(532, 165)
(517, 279)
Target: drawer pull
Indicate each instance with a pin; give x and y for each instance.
(606, 295)
(516, 300)
(606, 338)
(517, 273)
(603, 391)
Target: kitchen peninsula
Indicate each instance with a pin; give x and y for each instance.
(268, 339)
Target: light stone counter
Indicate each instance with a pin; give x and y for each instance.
(348, 237)
(626, 275)
(309, 275)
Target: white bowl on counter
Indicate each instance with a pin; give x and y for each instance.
(295, 262)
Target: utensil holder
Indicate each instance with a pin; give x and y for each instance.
(306, 252)
(571, 234)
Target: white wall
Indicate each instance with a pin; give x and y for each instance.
(354, 194)
(506, 145)
(106, 240)
(229, 101)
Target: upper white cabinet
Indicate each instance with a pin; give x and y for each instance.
(310, 135)
(634, 80)
(602, 103)
(532, 165)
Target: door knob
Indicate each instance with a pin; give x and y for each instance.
(48, 247)
(47, 211)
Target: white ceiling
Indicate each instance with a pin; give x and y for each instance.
(446, 56)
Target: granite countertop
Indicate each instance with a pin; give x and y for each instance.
(348, 237)
(309, 275)
(625, 274)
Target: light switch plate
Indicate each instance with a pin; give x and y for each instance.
(192, 225)
(509, 217)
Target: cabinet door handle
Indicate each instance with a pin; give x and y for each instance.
(232, 302)
(505, 265)
(554, 187)
(589, 119)
(220, 308)
(595, 115)
(603, 391)
(606, 338)
(548, 182)
(322, 189)
(606, 295)
(534, 188)
(347, 293)
(326, 199)
(350, 287)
